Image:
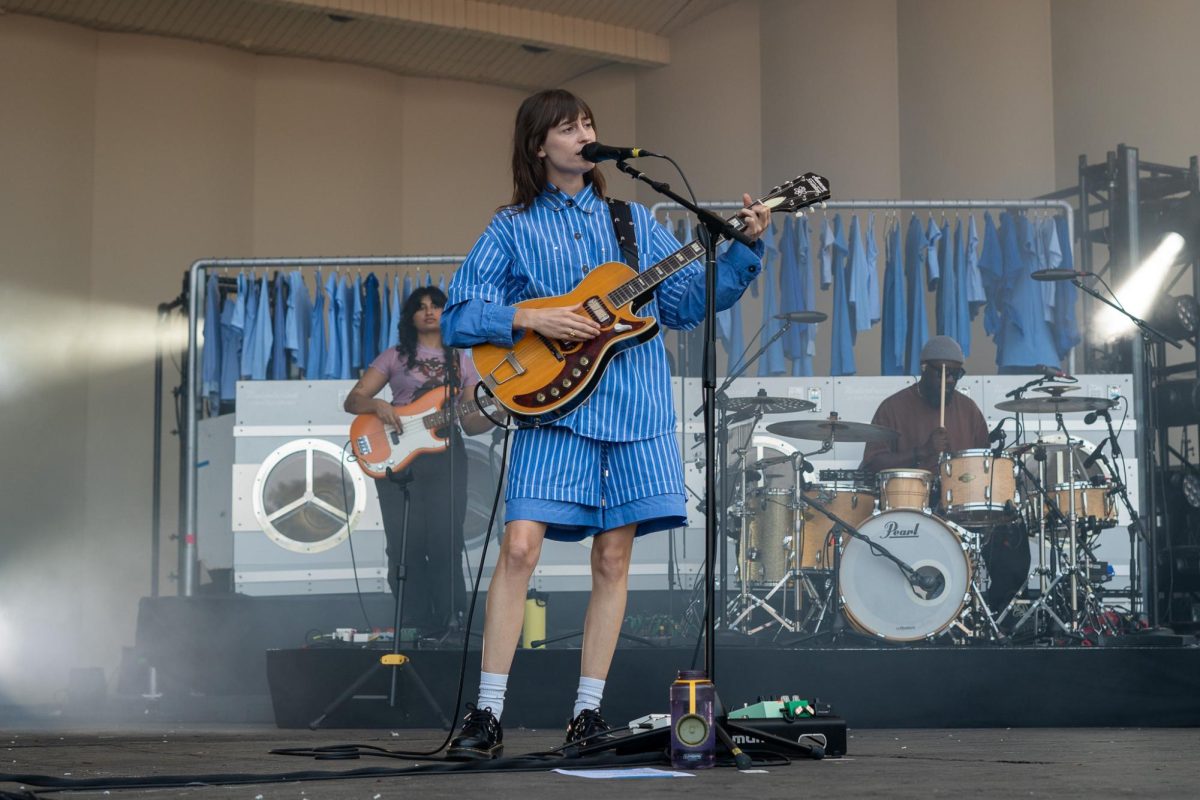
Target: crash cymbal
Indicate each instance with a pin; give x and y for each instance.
(803, 317)
(824, 430)
(767, 405)
(1056, 405)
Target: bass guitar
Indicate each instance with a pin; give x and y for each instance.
(425, 428)
(540, 380)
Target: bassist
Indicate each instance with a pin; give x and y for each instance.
(435, 589)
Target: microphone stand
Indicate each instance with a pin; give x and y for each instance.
(1135, 521)
(1150, 334)
(716, 228)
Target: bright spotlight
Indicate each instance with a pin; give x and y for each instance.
(1138, 293)
(47, 338)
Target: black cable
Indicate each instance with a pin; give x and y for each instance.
(350, 538)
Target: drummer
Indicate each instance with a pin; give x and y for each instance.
(915, 412)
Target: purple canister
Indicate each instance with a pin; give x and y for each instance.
(693, 736)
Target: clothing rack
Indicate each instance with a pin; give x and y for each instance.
(915, 205)
(195, 292)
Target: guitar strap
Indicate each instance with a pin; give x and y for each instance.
(622, 218)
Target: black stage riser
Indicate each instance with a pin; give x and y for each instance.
(916, 687)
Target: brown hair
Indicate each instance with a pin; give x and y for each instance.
(536, 116)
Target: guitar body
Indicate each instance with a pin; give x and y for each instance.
(541, 380)
(379, 447)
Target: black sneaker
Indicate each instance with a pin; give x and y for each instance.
(481, 737)
(588, 728)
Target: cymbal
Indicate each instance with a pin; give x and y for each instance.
(824, 430)
(1056, 405)
(768, 405)
(803, 317)
(769, 461)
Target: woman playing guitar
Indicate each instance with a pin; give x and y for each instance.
(435, 589)
(610, 469)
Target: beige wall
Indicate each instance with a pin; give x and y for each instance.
(124, 158)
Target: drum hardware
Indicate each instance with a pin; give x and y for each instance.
(858, 477)
(832, 430)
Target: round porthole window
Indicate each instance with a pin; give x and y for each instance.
(307, 497)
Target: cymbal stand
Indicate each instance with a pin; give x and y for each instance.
(1135, 521)
(1046, 587)
(744, 556)
(1072, 523)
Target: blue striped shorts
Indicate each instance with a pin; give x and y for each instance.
(580, 487)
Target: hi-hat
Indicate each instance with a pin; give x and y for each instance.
(803, 317)
(743, 406)
(824, 430)
(1055, 405)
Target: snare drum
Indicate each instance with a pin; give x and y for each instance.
(904, 488)
(1090, 501)
(854, 504)
(979, 488)
(770, 534)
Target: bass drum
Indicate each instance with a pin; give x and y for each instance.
(483, 473)
(876, 596)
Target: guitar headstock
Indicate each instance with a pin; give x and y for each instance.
(800, 192)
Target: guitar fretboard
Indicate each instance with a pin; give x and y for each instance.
(441, 418)
(645, 281)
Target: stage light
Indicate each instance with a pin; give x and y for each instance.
(1140, 290)
(50, 338)
(1177, 317)
(1191, 490)
(1177, 402)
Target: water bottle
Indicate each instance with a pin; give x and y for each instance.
(693, 735)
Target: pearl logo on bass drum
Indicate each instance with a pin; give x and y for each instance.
(892, 530)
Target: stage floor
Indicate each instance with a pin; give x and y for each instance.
(1095, 762)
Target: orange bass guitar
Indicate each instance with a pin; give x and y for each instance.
(540, 380)
(425, 424)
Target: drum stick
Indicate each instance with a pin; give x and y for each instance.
(942, 409)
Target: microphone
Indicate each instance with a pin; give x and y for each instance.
(596, 152)
(1057, 274)
(1095, 456)
(997, 432)
(1052, 372)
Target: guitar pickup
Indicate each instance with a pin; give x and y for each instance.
(363, 445)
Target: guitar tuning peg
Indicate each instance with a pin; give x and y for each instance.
(799, 215)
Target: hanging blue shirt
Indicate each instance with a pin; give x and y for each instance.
(933, 271)
(895, 309)
(1066, 328)
(210, 363)
(370, 319)
(962, 287)
(545, 251)
(874, 303)
(355, 327)
(398, 295)
(791, 286)
(278, 369)
(991, 272)
(947, 290)
(805, 266)
(918, 324)
(250, 328)
(314, 363)
(258, 350)
(861, 273)
(841, 359)
(298, 327)
(976, 296)
(331, 364)
(827, 247)
(1026, 338)
(233, 330)
(349, 331)
(772, 362)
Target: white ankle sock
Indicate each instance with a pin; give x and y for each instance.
(492, 686)
(589, 695)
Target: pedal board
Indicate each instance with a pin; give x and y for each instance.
(831, 727)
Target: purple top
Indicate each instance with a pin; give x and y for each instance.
(428, 372)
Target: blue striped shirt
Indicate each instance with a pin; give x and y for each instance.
(546, 251)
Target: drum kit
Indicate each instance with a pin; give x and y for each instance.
(908, 555)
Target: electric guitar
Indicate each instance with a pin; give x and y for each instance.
(426, 427)
(540, 380)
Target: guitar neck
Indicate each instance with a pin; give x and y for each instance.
(442, 417)
(646, 281)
